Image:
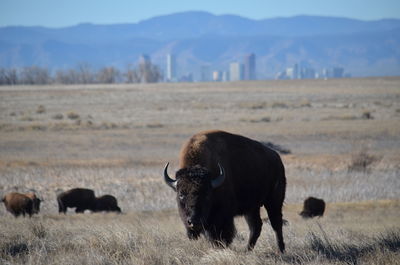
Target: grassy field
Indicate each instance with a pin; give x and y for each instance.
(343, 134)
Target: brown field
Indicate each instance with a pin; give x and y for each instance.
(343, 134)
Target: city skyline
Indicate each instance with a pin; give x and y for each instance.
(51, 13)
(197, 43)
(245, 71)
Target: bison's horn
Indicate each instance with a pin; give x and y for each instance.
(215, 183)
(170, 182)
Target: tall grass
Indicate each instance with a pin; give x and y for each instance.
(159, 238)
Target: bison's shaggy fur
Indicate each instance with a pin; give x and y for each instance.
(82, 199)
(107, 203)
(313, 207)
(224, 175)
(18, 203)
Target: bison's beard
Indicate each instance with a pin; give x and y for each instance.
(193, 234)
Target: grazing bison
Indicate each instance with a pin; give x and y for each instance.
(107, 203)
(82, 199)
(223, 175)
(18, 203)
(313, 207)
(36, 202)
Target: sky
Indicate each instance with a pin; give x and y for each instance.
(62, 13)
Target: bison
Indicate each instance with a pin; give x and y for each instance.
(107, 203)
(36, 202)
(313, 207)
(223, 175)
(19, 203)
(82, 199)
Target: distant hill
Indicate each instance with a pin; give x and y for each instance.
(199, 38)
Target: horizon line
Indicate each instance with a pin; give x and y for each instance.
(194, 11)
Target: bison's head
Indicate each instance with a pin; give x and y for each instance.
(193, 187)
(36, 205)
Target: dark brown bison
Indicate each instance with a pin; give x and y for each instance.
(107, 203)
(313, 207)
(82, 199)
(36, 202)
(223, 175)
(19, 203)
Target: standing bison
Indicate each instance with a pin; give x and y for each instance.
(35, 202)
(313, 207)
(82, 199)
(107, 203)
(19, 203)
(223, 175)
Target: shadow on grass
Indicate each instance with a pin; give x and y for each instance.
(15, 249)
(351, 253)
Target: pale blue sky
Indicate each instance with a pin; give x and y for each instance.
(60, 13)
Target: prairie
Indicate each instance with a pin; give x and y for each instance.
(343, 135)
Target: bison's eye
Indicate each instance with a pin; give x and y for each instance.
(181, 197)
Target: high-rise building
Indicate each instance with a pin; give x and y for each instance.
(217, 76)
(249, 67)
(171, 68)
(236, 71)
(225, 76)
(205, 74)
(144, 59)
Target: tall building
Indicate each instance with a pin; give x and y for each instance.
(249, 67)
(144, 59)
(145, 74)
(225, 76)
(205, 73)
(236, 71)
(171, 68)
(217, 76)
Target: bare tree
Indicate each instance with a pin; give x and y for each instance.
(108, 75)
(8, 76)
(34, 75)
(85, 73)
(70, 76)
(149, 73)
(131, 75)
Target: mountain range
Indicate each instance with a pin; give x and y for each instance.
(362, 48)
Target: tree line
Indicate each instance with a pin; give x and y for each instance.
(81, 74)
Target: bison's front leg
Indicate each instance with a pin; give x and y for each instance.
(222, 235)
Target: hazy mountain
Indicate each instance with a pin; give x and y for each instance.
(198, 38)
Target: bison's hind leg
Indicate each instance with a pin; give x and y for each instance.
(253, 219)
(274, 211)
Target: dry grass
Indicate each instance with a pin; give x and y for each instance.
(120, 137)
(362, 161)
(158, 238)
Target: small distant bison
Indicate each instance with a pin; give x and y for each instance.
(313, 207)
(107, 203)
(84, 199)
(19, 203)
